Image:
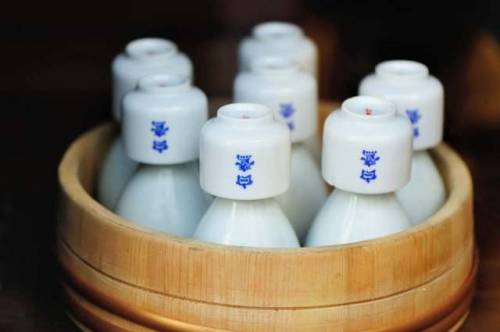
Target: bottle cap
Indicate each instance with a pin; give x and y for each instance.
(162, 120)
(291, 93)
(367, 147)
(282, 39)
(143, 57)
(417, 95)
(245, 153)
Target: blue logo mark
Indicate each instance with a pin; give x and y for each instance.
(244, 181)
(159, 128)
(369, 158)
(244, 163)
(368, 175)
(160, 146)
(413, 115)
(287, 110)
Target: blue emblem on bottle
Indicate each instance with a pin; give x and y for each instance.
(414, 116)
(159, 128)
(244, 163)
(244, 180)
(368, 175)
(369, 158)
(286, 111)
(160, 146)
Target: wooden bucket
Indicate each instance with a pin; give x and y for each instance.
(121, 277)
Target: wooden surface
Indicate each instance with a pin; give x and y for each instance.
(394, 281)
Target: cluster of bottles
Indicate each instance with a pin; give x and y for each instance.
(258, 182)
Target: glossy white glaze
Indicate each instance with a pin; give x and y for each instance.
(161, 125)
(307, 192)
(349, 217)
(368, 124)
(165, 198)
(419, 97)
(367, 150)
(425, 193)
(245, 163)
(251, 223)
(291, 93)
(247, 131)
(116, 170)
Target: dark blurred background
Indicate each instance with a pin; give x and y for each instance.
(55, 84)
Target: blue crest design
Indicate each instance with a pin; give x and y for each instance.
(159, 128)
(244, 163)
(287, 110)
(244, 181)
(416, 132)
(370, 158)
(368, 175)
(160, 146)
(413, 115)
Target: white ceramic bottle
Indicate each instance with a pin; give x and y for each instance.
(245, 163)
(367, 150)
(282, 39)
(292, 95)
(419, 97)
(161, 127)
(142, 57)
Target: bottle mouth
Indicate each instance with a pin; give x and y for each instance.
(164, 83)
(402, 69)
(150, 48)
(245, 113)
(368, 108)
(277, 31)
(273, 65)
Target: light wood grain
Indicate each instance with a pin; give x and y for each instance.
(203, 283)
(423, 307)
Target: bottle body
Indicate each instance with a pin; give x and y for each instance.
(307, 192)
(251, 223)
(347, 217)
(165, 198)
(126, 72)
(425, 193)
(116, 170)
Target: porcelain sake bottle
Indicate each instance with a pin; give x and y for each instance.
(291, 93)
(367, 150)
(419, 97)
(245, 164)
(142, 57)
(280, 39)
(161, 127)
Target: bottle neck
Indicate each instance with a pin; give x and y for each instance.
(251, 203)
(151, 50)
(278, 33)
(365, 197)
(402, 71)
(164, 84)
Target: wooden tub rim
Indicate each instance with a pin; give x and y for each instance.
(69, 180)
